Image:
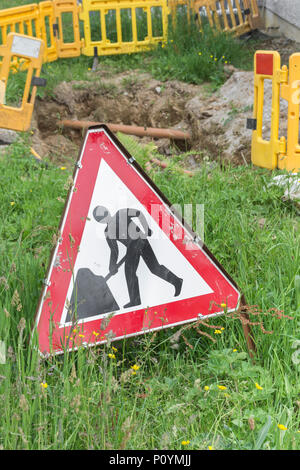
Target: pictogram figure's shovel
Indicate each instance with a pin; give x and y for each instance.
(91, 295)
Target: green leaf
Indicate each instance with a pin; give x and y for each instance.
(261, 437)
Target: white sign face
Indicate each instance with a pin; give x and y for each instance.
(26, 47)
(94, 253)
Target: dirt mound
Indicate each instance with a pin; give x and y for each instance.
(221, 120)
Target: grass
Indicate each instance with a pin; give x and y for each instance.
(94, 400)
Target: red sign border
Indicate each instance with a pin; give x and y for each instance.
(163, 198)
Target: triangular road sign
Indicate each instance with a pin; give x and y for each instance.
(125, 263)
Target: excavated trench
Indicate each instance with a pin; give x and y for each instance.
(135, 98)
(128, 99)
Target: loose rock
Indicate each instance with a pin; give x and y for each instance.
(7, 136)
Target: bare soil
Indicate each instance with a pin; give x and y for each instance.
(128, 98)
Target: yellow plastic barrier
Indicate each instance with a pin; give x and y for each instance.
(276, 152)
(252, 13)
(65, 46)
(175, 4)
(291, 92)
(2, 92)
(28, 20)
(239, 17)
(23, 20)
(264, 152)
(47, 20)
(30, 49)
(146, 21)
(148, 27)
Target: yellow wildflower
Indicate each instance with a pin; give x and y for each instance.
(210, 448)
(258, 386)
(95, 333)
(206, 388)
(63, 167)
(234, 350)
(223, 305)
(81, 336)
(281, 427)
(135, 367)
(218, 332)
(12, 203)
(44, 385)
(222, 387)
(114, 349)
(111, 356)
(185, 443)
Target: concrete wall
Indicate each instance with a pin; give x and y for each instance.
(282, 14)
(288, 10)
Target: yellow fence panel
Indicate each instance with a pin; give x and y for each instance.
(31, 50)
(56, 22)
(252, 13)
(28, 20)
(123, 26)
(237, 16)
(23, 20)
(67, 28)
(47, 20)
(175, 5)
(264, 152)
(291, 92)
